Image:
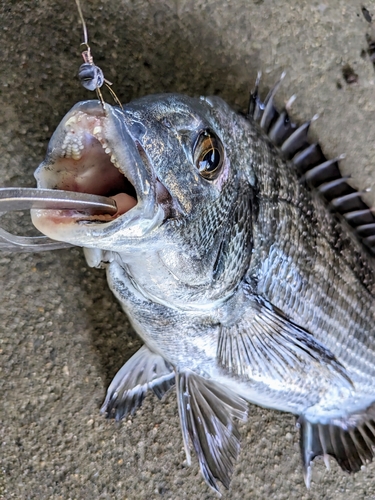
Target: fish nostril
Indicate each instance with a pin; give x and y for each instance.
(137, 130)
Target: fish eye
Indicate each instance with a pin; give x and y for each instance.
(208, 155)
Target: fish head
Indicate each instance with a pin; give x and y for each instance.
(178, 169)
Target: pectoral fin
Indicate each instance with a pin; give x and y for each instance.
(351, 441)
(266, 344)
(207, 414)
(143, 371)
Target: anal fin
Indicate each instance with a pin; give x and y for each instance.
(207, 412)
(350, 441)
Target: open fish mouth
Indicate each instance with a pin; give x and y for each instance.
(89, 165)
(92, 151)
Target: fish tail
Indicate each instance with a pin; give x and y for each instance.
(350, 441)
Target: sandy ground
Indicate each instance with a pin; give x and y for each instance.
(63, 336)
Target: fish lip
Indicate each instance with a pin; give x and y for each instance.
(124, 154)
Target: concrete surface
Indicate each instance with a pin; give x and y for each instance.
(63, 336)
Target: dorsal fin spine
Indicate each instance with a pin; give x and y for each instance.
(314, 167)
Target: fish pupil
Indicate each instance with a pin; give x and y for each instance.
(210, 160)
(208, 155)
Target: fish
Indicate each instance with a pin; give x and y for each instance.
(243, 260)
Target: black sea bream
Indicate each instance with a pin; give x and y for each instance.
(243, 260)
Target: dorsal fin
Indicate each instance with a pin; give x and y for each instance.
(320, 172)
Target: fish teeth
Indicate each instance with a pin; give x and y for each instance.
(113, 159)
(73, 142)
(76, 155)
(73, 146)
(71, 121)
